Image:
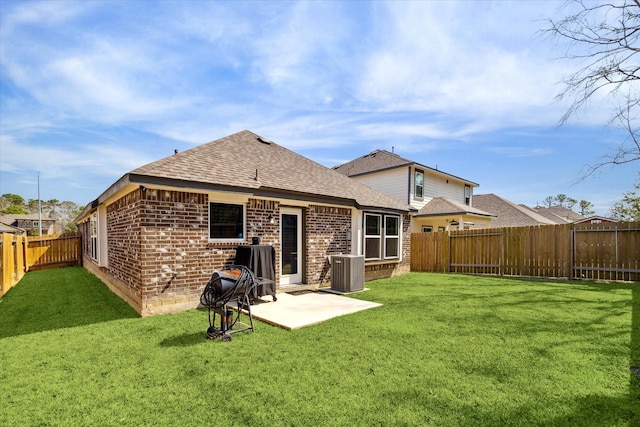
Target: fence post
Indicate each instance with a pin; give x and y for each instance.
(7, 263)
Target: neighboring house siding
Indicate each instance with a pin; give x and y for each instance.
(439, 187)
(326, 234)
(392, 182)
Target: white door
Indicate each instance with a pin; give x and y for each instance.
(291, 246)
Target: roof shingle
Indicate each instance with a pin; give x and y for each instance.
(508, 213)
(245, 160)
(443, 206)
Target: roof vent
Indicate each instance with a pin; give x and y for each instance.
(264, 140)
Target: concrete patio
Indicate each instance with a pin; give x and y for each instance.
(301, 309)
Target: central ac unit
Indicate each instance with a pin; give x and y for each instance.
(347, 273)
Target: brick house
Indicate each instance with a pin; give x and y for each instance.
(157, 234)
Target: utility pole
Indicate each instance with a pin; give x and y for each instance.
(39, 208)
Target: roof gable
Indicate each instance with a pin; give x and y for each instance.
(377, 160)
(245, 160)
(381, 160)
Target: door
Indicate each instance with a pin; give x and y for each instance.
(291, 239)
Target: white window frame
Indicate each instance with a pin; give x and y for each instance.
(373, 236)
(392, 236)
(382, 238)
(415, 184)
(93, 234)
(427, 229)
(244, 223)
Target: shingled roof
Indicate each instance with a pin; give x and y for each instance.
(247, 162)
(439, 206)
(508, 214)
(380, 160)
(558, 214)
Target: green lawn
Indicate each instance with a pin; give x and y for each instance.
(443, 350)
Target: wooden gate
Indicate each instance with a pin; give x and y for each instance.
(606, 253)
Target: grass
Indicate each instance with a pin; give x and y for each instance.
(443, 350)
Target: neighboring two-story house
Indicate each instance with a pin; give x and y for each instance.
(29, 223)
(443, 201)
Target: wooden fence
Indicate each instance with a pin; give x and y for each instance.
(20, 254)
(601, 252)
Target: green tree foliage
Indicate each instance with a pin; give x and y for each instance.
(13, 209)
(586, 208)
(14, 199)
(628, 209)
(562, 200)
(63, 212)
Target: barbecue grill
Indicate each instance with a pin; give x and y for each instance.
(231, 284)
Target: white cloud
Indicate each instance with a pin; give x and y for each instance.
(459, 58)
(326, 79)
(55, 162)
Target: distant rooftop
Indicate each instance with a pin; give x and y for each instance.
(380, 160)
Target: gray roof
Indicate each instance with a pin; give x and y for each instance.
(380, 160)
(245, 162)
(8, 228)
(442, 206)
(508, 214)
(11, 218)
(559, 214)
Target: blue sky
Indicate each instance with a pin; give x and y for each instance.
(90, 90)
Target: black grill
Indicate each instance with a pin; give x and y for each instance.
(231, 284)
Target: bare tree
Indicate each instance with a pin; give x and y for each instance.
(603, 39)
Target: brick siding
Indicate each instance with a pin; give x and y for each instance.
(159, 245)
(326, 235)
(159, 248)
(123, 243)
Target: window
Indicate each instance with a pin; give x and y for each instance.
(381, 242)
(427, 229)
(226, 221)
(467, 194)
(372, 236)
(419, 184)
(93, 234)
(391, 236)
